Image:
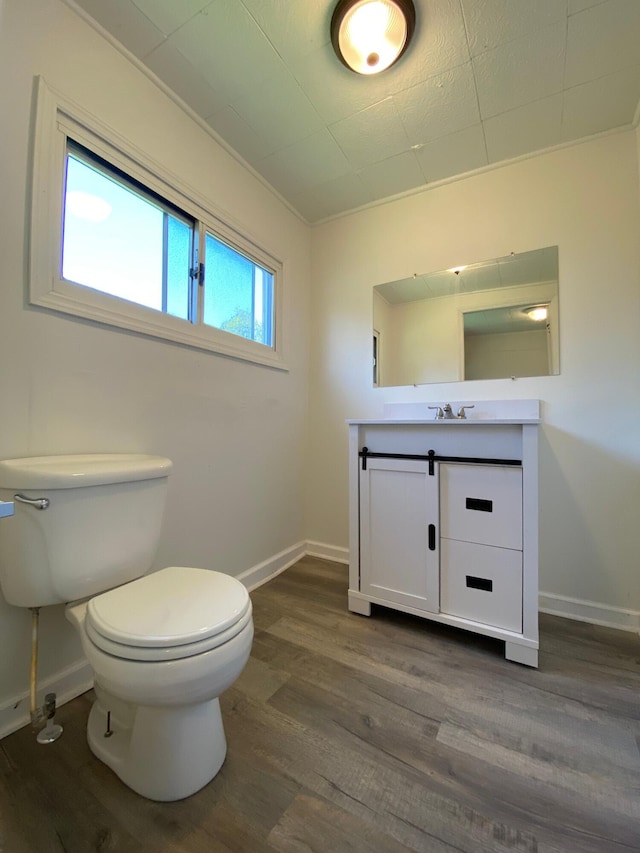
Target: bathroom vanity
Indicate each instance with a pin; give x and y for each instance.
(444, 518)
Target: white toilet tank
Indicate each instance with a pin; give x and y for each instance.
(100, 529)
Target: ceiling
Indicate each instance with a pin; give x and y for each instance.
(538, 267)
(498, 321)
(482, 82)
(535, 267)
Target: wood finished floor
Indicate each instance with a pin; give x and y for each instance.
(349, 734)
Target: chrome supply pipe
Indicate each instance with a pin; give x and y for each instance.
(35, 712)
(51, 731)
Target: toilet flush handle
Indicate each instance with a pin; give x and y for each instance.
(38, 503)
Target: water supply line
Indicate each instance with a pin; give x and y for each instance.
(35, 712)
(51, 731)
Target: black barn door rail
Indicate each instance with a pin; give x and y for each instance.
(432, 457)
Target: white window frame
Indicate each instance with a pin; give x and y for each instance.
(57, 120)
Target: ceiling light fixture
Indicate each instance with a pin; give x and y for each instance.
(537, 312)
(368, 36)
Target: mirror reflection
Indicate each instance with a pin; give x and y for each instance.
(487, 320)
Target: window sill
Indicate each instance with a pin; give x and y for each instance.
(83, 302)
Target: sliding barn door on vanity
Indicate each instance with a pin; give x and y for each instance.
(399, 536)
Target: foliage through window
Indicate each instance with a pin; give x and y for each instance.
(239, 296)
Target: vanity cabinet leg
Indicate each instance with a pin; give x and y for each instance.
(359, 605)
(521, 654)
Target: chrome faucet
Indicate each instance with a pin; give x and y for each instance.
(445, 413)
(448, 412)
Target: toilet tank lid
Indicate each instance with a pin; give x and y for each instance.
(75, 471)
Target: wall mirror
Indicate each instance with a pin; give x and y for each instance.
(487, 320)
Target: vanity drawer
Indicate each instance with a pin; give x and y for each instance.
(481, 583)
(482, 503)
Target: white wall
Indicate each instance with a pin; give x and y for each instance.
(383, 326)
(235, 431)
(503, 353)
(238, 433)
(426, 341)
(584, 199)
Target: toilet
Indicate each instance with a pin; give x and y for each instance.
(162, 646)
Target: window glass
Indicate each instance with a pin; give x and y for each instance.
(122, 243)
(119, 239)
(179, 242)
(238, 295)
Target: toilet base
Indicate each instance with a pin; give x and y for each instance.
(162, 753)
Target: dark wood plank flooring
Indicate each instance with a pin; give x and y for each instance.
(350, 734)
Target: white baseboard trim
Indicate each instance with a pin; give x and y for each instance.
(78, 677)
(66, 684)
(257, 575)
(556, 605)
(590, 611)
(327, 552)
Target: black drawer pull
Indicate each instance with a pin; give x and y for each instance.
(432, 537)
(480, 583)
(480, 504)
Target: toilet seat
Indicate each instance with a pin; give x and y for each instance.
(175, 613)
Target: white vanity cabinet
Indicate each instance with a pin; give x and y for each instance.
(444, 523)
(481, 544)
(398, 524)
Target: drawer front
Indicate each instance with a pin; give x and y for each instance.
(482, 503)
(481, 583)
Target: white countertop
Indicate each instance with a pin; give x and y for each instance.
(496, 412)
(456, 422)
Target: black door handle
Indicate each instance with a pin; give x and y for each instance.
(480, 504)
(480, 583)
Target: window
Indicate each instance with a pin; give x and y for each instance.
(239, 298)
(139, 250)
(119, 239)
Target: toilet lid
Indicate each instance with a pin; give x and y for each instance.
(169, 653)
(177, 606)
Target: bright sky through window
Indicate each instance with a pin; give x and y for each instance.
(121, 243)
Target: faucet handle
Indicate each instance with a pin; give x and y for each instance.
(461, 413)
(439, 413)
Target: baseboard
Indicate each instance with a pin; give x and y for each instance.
(78, 677)
(271, 568)
(327, 552)
(556, 605)
(590, 611)
(66, 684)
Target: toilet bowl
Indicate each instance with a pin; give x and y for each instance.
(162, 646)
